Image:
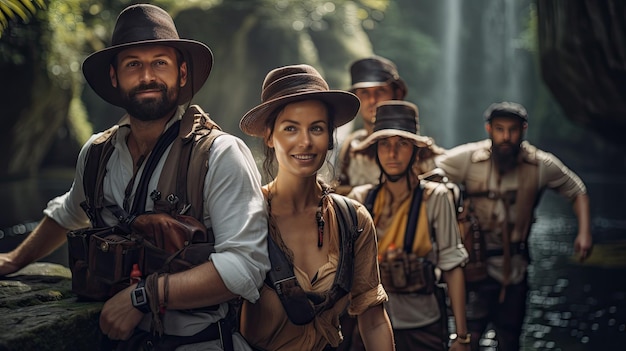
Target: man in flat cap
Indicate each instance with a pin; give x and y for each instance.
(503, 178)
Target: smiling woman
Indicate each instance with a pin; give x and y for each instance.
(296, 121)
(300, 137)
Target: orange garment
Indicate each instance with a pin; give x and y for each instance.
(396, 230)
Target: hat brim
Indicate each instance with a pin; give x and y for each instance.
(363, 85)
(198, 56)
(419, 140)
(344, 104)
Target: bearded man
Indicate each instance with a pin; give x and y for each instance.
(165, 158)
(503, 178)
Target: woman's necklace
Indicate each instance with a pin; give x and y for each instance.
(319, 218)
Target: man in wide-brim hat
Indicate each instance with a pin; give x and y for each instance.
(374, 79)
(415, 222)
(143, 26)
(153, 74)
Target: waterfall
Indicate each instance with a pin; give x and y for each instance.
(504, 72)
(451, 54)
(481, 61)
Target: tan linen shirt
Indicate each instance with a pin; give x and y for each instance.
(471, 165)
(356, 167)
(265, 325)
(418, 310)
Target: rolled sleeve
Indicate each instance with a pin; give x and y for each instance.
(366, 290)
(65, 209)
(236, 212)
(442, 216)
(560, 178)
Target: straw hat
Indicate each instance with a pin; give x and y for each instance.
(145, 24)
(293, 83)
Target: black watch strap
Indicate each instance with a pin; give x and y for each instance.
(139, 297)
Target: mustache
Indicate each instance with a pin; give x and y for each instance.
(505, 143)
(142, 87)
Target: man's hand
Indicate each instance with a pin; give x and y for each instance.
(457, 346)
(169, 233)
(7, 264)
(583, 245)
(119, 318)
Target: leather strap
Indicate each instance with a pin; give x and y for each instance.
(302, 307)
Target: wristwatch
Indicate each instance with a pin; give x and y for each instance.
(464, 339)
(139, 297)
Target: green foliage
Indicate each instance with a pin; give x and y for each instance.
(24, 9)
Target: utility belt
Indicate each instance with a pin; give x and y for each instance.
(407, 274)
(517, 248)
(101, 259)
(144, 340)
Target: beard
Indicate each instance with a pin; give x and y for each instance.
(505, 155)
(153, 108)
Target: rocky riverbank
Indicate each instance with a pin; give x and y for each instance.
(39, 312)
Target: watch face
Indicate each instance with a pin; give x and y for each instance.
(139, 296)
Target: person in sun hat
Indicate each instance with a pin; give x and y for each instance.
(153, 74)
(503, 178)
(296, 119)
(374, 79)
(417, 231)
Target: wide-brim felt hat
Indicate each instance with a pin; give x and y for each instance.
(294, 83)
(396, 118)
(142, 25)
(375, 71)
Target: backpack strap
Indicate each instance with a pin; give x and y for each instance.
(302, 307)
(414, 212)
(188, 163)
(93, 176)
(164, 141)
(370, 198)
(349, 232)
(299, 309)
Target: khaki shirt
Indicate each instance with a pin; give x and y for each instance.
(357, 167)
(472, 166)
(418, 310)
(265, 324)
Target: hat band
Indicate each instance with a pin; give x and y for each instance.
(395, 124)
(380, 76)
(293, 84)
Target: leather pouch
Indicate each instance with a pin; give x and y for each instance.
(85, 284)
(475, 269)
(408, 274)
(111, 257)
